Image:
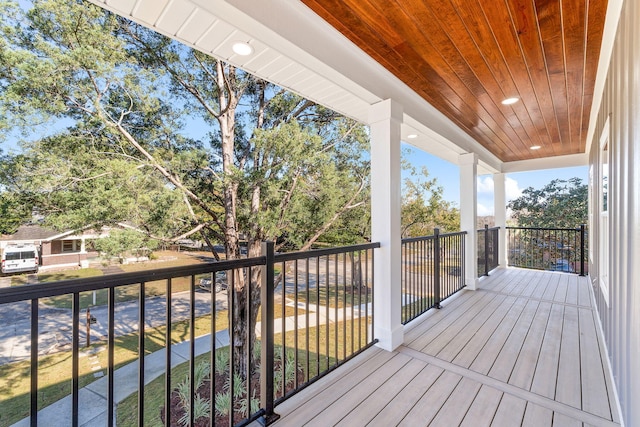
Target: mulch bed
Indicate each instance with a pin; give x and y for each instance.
(178, 411)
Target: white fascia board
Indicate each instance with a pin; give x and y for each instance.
(568, 161)
(614, 7)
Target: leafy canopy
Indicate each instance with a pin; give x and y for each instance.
(559, 204)
(268, 163)
(423, 207)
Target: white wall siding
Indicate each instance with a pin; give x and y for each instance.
(620, 315)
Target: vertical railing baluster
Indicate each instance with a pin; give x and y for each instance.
(436, 267)
(167, 353)
(411, 269)
(335, 322)
(283, 322)
(486, 249)
(141, 314)
(361, 283)
(192, 345)
(318, 316)
(33, 409)
(213, 345)
(306, 312)
(373, 284)
(353, 281)
(403, 281)
(267, 336)
(344, 306)
(232, 341)
(582, 241)
(111, 308)
(295, 321)
(249, 350)
(327, 298)
(75, 345)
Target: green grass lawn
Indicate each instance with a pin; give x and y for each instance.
(335, 297)
(82, 273)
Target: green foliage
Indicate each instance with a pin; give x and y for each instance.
(423, 207)
(222, 361)
(294, 168)
(200, 404)
(121, 243)
(559, 204)
(223, 403)
(13, 212)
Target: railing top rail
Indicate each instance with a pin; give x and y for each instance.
(543, 228)
(489, 229)
(44, 290)
(314, 253)
(421, 238)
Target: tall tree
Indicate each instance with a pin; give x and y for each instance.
(423, 207)
(275, 166)
(559, 204)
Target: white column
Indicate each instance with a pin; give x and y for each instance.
(468, 216)
(500, 213)
(385, 119)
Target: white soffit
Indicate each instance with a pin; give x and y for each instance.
(546, 163)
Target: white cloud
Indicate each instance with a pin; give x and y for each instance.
(484, 210)
(485, 184)
(512, 190)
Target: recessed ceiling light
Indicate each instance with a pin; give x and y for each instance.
(242, 48)
(535, 147)
(510, 101)
(412, 136)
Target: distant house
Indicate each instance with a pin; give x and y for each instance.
(57, 249)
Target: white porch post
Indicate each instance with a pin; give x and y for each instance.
(385, 119)
(468, 216)
(500, 212)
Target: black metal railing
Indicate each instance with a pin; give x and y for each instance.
(432, 270)
(315, 312)
(555, 249)
(488, 245)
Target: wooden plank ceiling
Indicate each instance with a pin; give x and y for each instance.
(466, 56)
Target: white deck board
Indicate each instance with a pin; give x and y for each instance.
(522, 374)
(432, 401)
(483, 409)
(523, 350)
(536, 415)
(546, 373)
(510, 412)
(400, 404)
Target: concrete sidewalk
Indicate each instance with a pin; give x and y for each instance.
(93, 398)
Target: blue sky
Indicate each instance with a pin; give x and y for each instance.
(448, 176)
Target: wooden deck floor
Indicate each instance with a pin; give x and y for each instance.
(523, 350)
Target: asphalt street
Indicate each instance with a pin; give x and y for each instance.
(55, 324)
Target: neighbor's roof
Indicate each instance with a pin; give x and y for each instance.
(30, 232)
